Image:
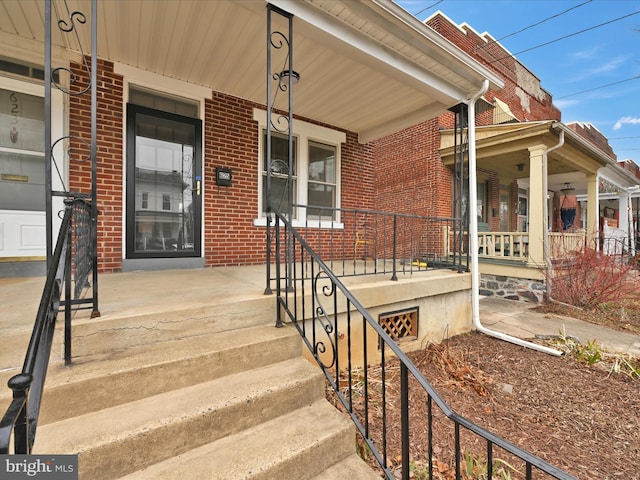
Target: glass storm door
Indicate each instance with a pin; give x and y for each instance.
(164, 184)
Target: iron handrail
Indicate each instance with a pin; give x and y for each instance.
(21, 417)
(329, 320)
(358, 241)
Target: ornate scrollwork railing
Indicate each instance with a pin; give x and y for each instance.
(339, 332)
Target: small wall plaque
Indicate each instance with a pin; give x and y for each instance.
(224, 176)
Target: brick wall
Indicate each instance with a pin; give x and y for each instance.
(410, 177)
(630, 166)
(593, 136)
(523, 92)
(230, 140)
(109, 156)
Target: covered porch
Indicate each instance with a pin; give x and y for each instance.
(539, 195)
(344, 54)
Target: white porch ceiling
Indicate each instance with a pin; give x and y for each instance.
(365, 65)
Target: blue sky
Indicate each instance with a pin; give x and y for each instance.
(586, 61)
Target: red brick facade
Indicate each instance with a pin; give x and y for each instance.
(230, 140)
(402, 173)
(527, 100)
(593, 135)
(110, 157)
(630, 166)
(410, 175)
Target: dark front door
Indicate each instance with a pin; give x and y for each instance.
(164, 184)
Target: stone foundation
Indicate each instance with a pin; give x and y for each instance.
(509, 288)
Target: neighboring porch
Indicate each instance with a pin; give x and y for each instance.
(541, 188)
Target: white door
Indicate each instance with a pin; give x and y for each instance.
(22, 170)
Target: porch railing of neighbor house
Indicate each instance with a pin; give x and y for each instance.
(509, 245)
(326, 314)
(366, 242)
(615, 241)
(67, 275)
(562, 244)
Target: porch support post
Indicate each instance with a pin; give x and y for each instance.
(625, 218)
(537, 202)
(593, 210)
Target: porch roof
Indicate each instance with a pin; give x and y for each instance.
(505, 150)
(369, 67)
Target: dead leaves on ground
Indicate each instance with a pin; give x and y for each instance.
(457, 367)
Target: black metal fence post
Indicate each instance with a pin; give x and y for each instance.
(67, 289)
(404, 413)
(268, 290)
(279, 322)
(20, 385)
(394, 275)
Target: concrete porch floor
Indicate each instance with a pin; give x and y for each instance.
(123, 295)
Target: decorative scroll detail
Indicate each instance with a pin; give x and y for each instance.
(69, 155)
(279, 40)
(70, 26)
(73, 79)
(322, 316)
(281, 123)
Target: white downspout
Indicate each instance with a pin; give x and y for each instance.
(545, 238)
(473, 236)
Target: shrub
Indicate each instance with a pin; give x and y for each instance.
(586, 278)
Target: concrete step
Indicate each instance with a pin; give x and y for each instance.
(309, 440)
(119, 440)
(137, 328)
(95, 382)
(91, 336)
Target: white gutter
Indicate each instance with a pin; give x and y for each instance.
(473, 237)
(545, 238)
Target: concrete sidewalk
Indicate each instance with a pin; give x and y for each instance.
(520, 320)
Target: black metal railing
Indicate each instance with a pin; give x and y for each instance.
(68, 265)
(347, 343)
(84, 258)
(365, 242)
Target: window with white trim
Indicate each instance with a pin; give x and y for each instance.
(321, 188)
(279, 172)
(315, 174)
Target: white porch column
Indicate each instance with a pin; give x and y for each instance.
(624, 209)
(593, 211)
(537, 202)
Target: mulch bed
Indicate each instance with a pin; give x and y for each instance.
(583, 419)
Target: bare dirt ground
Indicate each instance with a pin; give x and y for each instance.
(581, 418)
